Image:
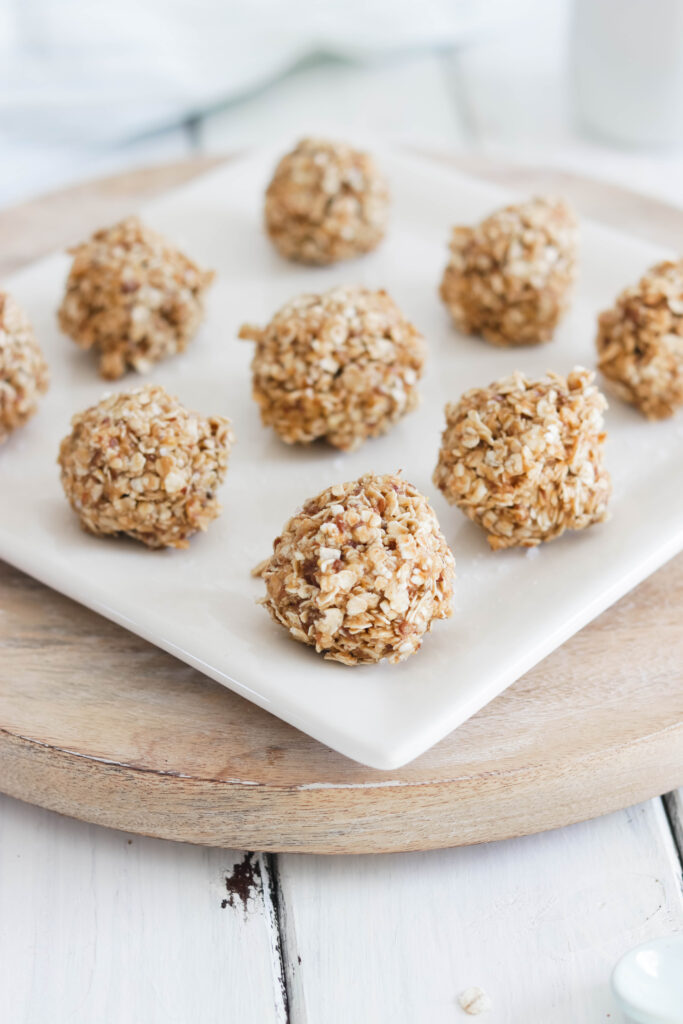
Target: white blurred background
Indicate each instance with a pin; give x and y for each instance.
(88, 88)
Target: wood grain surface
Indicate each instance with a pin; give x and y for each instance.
(98, 724)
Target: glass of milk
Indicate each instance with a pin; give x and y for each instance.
(627, 67)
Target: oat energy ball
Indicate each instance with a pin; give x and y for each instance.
(23, 370)
(524, 459)
(640, 342)
(142, 464)
(326, 202)
(509, 278)
(132, 297)
(342, 366)
(361, 572)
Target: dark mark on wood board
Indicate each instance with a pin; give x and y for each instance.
(244, 883)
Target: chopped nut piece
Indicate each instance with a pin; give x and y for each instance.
(342, 366)
(23, 370)
(509, 278)
(474, 1001)
(118, 479)
(376, 599)
(524, 459)
(640, 342)
(133, 297)
(326, 202)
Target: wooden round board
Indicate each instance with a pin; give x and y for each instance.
(98, 724)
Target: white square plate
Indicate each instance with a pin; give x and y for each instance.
(511, 608)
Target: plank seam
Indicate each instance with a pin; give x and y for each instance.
(676, 827)
(272, 899)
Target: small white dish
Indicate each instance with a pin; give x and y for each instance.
(648, 982)
(511, 609)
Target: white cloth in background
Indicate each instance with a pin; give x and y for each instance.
(85, 71)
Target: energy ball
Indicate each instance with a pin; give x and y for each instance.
(143, 465)
(133, 297)
(342, 366)
(361, 572)
(524, 458)
(509, 278)
(326, 202)
(640, 342)
(23, 370)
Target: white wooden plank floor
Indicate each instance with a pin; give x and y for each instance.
(100, 926)
(536, 922)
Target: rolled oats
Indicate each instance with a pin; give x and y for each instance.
(23, 370)
(326, 202)
(524, 459)
(132, 297)
(141, 464)
(509, 278)
(361, 572)
(640, 342)
(343, 366)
